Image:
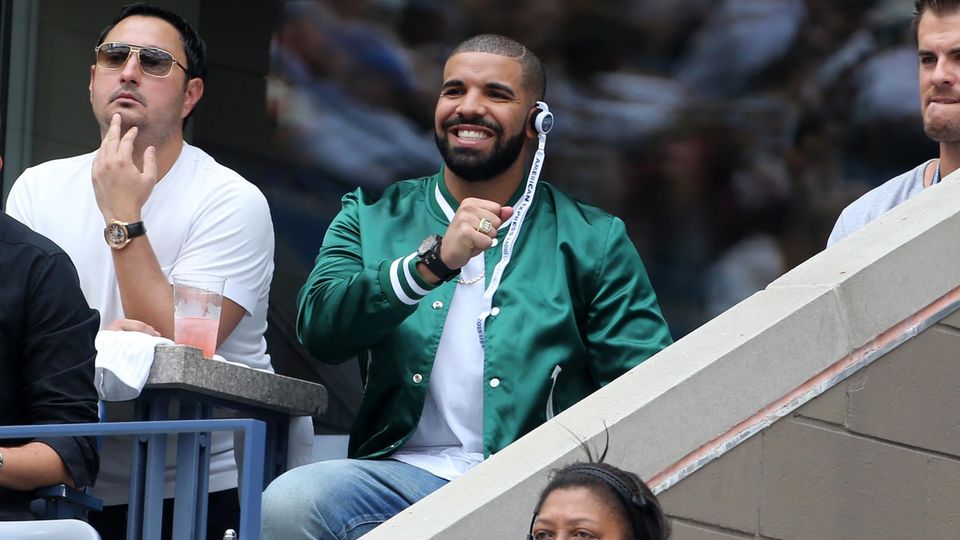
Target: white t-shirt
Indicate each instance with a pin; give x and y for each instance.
(201, 218)
(448, 440)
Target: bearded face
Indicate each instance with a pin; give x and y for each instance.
(480, 122)
(477, 164)
(938, 37)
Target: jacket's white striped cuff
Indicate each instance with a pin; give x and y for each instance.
(402, 282)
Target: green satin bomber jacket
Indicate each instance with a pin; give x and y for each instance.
(576, 310)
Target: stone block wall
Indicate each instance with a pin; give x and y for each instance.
(875, 457)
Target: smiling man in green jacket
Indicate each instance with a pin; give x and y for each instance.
(479, 304)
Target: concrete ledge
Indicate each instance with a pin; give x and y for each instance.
(179, 366)
(893, 267)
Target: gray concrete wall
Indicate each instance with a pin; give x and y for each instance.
(699, 413)
(875, 457)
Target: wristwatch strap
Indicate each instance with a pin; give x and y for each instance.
(136, 229)
(431, 259)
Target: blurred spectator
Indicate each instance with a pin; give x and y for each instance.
(335, 86)
(725, 57)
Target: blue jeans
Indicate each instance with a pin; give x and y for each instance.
(341, 499)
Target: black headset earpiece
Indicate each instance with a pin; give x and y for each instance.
(542, 119)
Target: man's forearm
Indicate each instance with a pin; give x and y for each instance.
(31, 466)
(145, 293)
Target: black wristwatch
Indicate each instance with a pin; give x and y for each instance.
(429, 255)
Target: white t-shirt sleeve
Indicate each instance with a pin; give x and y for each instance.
(232, 237)
(18, 201)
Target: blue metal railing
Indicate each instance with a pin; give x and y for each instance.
(192, 470)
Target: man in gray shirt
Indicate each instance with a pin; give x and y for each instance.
(937, 28)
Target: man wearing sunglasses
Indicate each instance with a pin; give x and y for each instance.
(164, 207)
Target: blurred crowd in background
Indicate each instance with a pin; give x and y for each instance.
(727, 134)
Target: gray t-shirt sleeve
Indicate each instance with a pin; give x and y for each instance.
(876, 202)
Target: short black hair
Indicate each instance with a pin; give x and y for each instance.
(534, 77)
(623, 492)
(938, 7)
(193, 44)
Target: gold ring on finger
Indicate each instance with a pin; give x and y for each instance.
(484, 226)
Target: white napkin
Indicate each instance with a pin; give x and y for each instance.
(123, 363)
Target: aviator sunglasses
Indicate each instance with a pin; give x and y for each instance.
(153, 61)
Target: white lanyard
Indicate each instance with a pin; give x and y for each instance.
(519, 214)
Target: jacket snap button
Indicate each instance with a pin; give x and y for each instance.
(417, 378)
(495, 311)
(494, 382)
(437, 305)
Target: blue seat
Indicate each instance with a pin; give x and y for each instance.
(61, 501)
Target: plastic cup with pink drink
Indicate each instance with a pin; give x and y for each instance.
(197, 299)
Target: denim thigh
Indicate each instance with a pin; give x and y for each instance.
(341, 499)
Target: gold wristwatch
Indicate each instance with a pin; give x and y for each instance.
(119, 233)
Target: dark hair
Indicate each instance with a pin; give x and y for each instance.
(938, 7)
(534, 77)
(193, 44)
(619, 490)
